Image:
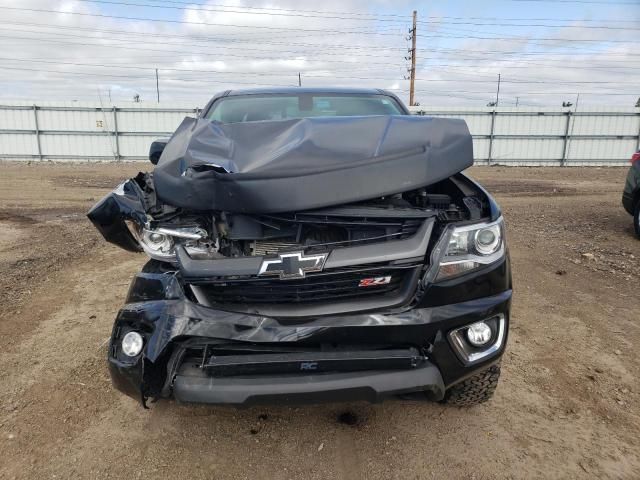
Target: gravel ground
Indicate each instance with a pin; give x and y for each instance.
(568, 405)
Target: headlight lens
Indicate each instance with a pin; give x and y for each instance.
(487, 240)
(159, 243)
(471, 247)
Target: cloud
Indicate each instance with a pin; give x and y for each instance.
(62, 56)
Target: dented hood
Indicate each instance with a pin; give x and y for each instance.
(301, 164)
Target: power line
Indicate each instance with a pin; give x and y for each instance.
(511, 80)
(206, 8)
(203, 8)
(207, 79)
(195, 37)
(530, 19)
(190, 44)
(150, 77)
(519, 52)
(526, 39)
(588, 27)
(324, 46)
(578, 1)
(537, 39)
(528, 93)
(146, 19)
(508, 65)
(386, 64)
(207, 54)
(324, 31)
(286, 9)
(171, 69)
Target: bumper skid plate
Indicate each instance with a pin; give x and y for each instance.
(193, 385)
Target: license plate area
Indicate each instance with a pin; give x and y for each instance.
(312, 362)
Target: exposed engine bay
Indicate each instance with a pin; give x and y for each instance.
(219, 234)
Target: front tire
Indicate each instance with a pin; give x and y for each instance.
(636, 218)
(474, 390)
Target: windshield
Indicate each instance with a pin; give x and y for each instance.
(254, 108)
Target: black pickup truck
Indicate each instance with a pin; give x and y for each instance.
(631, 193)
(310, 245)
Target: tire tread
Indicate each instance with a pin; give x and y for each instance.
(476, 389)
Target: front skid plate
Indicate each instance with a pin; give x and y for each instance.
(192, 385)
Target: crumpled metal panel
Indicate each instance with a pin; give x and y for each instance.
(300, 164)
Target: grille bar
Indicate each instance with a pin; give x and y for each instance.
(314, 288)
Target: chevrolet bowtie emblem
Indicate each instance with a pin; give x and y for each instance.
(293, 265)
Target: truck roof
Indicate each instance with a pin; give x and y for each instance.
(316, 90)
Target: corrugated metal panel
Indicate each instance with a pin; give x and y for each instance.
(530, 136)
(605, 125)
(480, 148)
(74, 145)
(527, 136)
(513, 149)
(136, 146)
(529, 124)
(17, 120)
(601, 149)
(69, 120)
(18, 144)
(147, 121)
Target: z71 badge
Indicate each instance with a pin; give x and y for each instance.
(373, 281)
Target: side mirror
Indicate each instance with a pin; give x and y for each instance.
(156, 149)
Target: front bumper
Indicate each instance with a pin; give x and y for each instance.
(193, 385)
(158, 308)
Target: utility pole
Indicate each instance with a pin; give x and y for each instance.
(517, 101)
(299, 80)
(498, 92)
(157, 86)
(413, 60)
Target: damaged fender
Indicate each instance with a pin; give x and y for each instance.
(125, 202)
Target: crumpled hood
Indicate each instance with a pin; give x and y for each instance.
(301, 164)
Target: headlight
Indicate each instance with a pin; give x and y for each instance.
(160, 243)
(157, 244)
(471, 247)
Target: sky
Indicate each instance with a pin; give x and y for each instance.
(545, 52)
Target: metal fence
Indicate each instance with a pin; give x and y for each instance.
(528, 136)
(79, 131)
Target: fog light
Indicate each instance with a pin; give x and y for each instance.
(132, 344)
(480, 340)
(479, 334)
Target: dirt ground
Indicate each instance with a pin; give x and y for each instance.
(568, 405)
